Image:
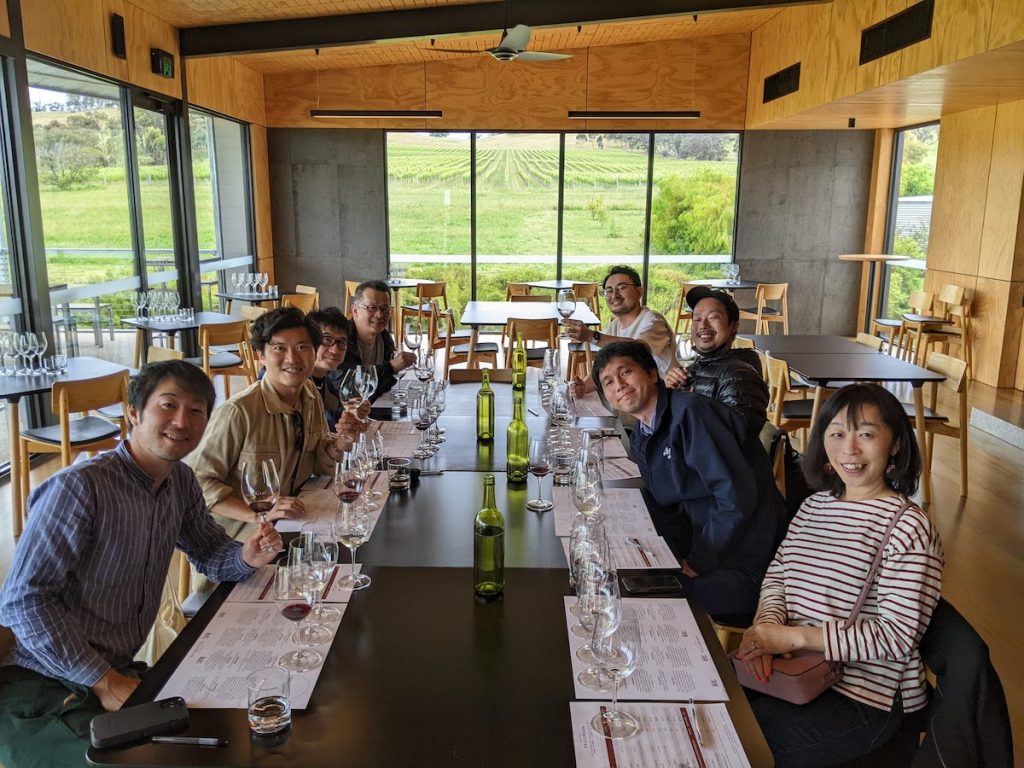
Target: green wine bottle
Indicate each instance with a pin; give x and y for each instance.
(485, 410)
(519, 365)
(489, 546)
(517, 462)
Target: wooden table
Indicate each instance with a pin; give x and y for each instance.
(170, 327)
(871, 282)
(555, 285)
(13, 388)
(817, 344)
(481, 314)
(726, 285)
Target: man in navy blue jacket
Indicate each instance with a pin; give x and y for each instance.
(708, 475)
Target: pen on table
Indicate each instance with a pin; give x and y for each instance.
(532, 412)
(194, 741)
(696, 723)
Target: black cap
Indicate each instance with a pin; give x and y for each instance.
(701, 292)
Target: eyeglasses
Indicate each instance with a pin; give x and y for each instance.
(331, 341)
(619, 289)
(376, 309)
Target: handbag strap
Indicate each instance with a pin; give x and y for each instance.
(872, 572)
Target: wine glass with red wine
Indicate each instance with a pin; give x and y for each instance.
(261, 487)
(294, 593)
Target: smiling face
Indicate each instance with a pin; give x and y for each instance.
(622, 295)
(332, 349)
(371, 312)
(629, 388)
(168, 427)
(710, 327)
(288, 358)
(860, 451)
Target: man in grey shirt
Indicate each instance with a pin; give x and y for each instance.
(88, 573)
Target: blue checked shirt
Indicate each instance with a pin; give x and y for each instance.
(89, 569)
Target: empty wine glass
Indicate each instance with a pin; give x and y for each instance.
(42, 344)
(322, 558)
(260, 487)
(425, 365)
(235, 277)
(365, 381)
(264, 279)
(597, 601)
(566, 305)
(353, 529)
(7, 348)
(618, 656)
(540, 466)
(587, 489)
(348, 392)
(293, 594)
(412, 333)
(141, 300)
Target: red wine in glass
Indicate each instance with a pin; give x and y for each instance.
(261, 507)
(295, 611)
(349, 490)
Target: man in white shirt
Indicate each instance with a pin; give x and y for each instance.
(623, 292)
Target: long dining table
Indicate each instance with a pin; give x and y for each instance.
(421, 672)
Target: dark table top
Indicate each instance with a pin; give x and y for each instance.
(251, 298)
(555, 285)
(403, 282)
(498, 312)
(422, 674)
(740, 285)
(173, 326)
(781, 344)
(821, 369)
(15, 387)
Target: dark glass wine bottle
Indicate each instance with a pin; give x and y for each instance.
(485, 410)
(489, 545)
(517, 459)
(519, 365)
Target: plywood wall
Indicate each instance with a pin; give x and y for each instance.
(224, 85)
(480, 93)
(261, 200)
(5, 22)
(977, 232)
(78, 32)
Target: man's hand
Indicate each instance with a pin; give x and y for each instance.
(113, 689)
(287, 507)
(676, 378)
(577, 330)
(402, 360)
(688, 571)
(262, 547)
(349, 426)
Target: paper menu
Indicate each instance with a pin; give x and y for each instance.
(675, 662)
(240, 639)
(590, 405)
(620, 468)
(259, 587)
(624, 510)
(656, 554)
(667, 738)
(322, 504)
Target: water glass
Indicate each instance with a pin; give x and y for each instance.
(399, 474)
(270, 709)
(51, 365)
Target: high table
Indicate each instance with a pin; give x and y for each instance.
(13, 388)
(815, 344)
(171, 327)
(480, 314)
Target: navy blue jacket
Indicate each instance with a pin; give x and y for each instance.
(702, 461)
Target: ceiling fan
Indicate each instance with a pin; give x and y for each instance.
(513, 46)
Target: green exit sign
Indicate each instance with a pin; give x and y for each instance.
(161, 62)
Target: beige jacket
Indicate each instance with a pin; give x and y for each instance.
(257, 424)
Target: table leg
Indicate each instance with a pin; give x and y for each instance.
(471, 352)
(140, 340)
(170, 339)
(818, 392)
(922, 443)
(14, 425)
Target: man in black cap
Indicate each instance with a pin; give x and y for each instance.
(731, 376)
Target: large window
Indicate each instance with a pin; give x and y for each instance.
(910, 213)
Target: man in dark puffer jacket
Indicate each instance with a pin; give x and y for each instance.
(731, 376)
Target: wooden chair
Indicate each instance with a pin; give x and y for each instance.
(307, 302)
(533, 331)
(590, 293)
(517, 289)
(70, 438)
(918, 302)
(683, 315)
(764, 315)
(456, 344)
(537, 298)
(956, 331)
(741, 342)
(240, 361)
(789, 415)
(475, 375)
(915, 326)
(936, 423)
(249, 314)
(867, 340)
(157, 354)
(350, 295)
(309, 290)
(581, 358)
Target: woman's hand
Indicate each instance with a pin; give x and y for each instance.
(762, 642)
(287, 507)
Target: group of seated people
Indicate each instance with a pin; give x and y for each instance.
(86, 580)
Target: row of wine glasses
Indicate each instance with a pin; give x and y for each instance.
(247, 283)
(22, 347)
(731, 273)
(157, 305)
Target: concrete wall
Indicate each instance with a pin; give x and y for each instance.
(328, 208)
(803, 201)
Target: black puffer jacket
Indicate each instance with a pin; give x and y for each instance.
(732, 376)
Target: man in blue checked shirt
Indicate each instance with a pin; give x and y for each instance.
(89, 569)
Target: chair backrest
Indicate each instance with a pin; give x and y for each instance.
(516, 289)
(250, 313)
(951, 295)
(304, 301)
(156, 354)
(867, 340)
(771, 292)
(428, 291)
(311, 291)
(470, 375)
(89, 394)
(350, 293)
(919, 302)
(954, 369)
(590, 293)
(741, 342)
(535, 297)
(534, 330)
(228, 334)
(778, 386)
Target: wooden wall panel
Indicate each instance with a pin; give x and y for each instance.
(261, 200)
(5, 22)
(115, 66)
(1007, 23)
(961, 186)
(997, 307)
(144, 32)
(849, 18)
(223, 84)
(1004, 222)
(960, 28)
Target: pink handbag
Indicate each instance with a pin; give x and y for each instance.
(808, 674)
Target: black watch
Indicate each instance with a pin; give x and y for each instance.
(595, 336)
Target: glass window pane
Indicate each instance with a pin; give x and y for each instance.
(517, 210)
(155, 192)
(605, 203)
(428, 211)
(910, 221)
(77, 124)
(10, 309)
(692, 211)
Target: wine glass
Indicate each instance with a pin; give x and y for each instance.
(439, 397)
(421, 421)
(588, 545)
(353, 529)
(592, 447)
(293, 594)
(425, 365)
(42, 344)
(348, 392)
(371, 450)
(618, 656)
(540, 466)
(261, 487)
(6, 348)
(322, 558)
(597, 600)
(366, 381)
(685, 353)
(587, 488)
(264, 279)
(566, 305)
(413, 334)
(235, 277)
(140, 303)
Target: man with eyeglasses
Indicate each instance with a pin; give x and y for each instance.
(374, 344)
(329, 356)
(631, 321)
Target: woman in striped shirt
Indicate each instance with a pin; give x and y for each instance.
(863, 456)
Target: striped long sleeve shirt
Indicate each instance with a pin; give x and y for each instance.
(818, 573)
(88, 572)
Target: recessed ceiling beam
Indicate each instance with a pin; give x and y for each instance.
(438, 21)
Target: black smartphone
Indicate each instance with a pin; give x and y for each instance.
(141, 721)
(651, 585)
